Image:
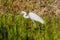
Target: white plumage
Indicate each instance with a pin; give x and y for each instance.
(33, 16)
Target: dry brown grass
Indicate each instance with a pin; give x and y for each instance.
(41, 7)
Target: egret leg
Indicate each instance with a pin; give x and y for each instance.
(34, 24)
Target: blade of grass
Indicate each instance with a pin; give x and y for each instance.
(46, 28)
(54, 28)
(58, 29)
(23, 29)
(0, 20)
(17, 20)
(38, 31)
(30, 30)
(10, 32)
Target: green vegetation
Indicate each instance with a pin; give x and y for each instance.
(23, 29)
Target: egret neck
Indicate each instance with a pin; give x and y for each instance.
(25, 15)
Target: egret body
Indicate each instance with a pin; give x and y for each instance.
(33, 17)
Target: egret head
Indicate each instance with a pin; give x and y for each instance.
(23, 12)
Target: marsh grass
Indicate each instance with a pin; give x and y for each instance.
(23, 29)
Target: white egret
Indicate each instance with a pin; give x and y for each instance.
(33, 16)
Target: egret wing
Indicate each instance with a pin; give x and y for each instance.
(35, 17)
